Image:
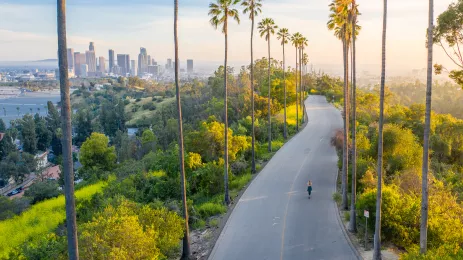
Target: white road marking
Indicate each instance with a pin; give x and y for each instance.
(255, 198)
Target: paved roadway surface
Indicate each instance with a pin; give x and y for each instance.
(274, 218)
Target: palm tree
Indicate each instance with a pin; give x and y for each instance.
(424, 189)
(295, 39)
(220, 12)
(339, 23)
(68, 170)
(355, 29)
(253, 7)
(377, 240)
(186, 235)
(303, 44)
(267, 28)
(283, 36)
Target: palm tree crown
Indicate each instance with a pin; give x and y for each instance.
(253, 7)
(296, 39)
(266, 28)
(220, 11)
(283, 35)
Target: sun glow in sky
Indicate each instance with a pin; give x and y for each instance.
(28, 31)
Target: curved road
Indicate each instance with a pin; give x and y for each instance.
(274, 219)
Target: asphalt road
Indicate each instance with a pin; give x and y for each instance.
(274, 219)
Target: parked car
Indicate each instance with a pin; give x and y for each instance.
(15, 191)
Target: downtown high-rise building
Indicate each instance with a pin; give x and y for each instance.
(149, 60)
(189, 66)
(101, 65)
(169, 64)
(70, 59)
(91, 47)
(142, 61)
(91, 62)
(133, 68)
(111, 61)
(79, 60)
(123, 61)
(83, 70)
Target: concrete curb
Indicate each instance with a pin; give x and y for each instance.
(343, 228)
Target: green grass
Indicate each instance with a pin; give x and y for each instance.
(337, 197)
(240, 181)
(39, 220)
(210, 209)
(137, 117)
(214, 222)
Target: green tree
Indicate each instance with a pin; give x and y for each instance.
(447, 34)
(339, 22)
(96, 155)
(353, 16)
(83, 126)
(267, 28)
(43, 190)
(6, 144)
(17, 165)
(54, 126)
(427, 128)
(253, 7)
(220, 12)
(295, 40)
(130, 231)
(28, 136)
(44, 136)
(377, 241)
(283, 36)
(2, 126)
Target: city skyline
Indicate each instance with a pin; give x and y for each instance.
(199, 41)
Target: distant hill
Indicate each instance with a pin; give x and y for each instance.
(47, 60)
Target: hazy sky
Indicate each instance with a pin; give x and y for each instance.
(28, 30)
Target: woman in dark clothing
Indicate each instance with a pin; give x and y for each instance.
(309, 188)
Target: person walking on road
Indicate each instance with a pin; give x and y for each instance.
(309, 188)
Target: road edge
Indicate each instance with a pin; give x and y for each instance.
(343, 228)
(224, 218)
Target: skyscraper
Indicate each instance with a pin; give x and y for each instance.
(133, 68)
(123, 61)
(83, 70)
(71, 59)
(79, 60)
(101, 65)
(149, 60)
(142, 61)
(111, 61)
(189, 66)
(91, 62)
(169, 64)
(91, 47)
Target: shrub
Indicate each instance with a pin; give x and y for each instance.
(39, 220)
(43, 190)
(210, 209)
(239, 182)
(337, 197)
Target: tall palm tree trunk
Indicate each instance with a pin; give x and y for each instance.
(285, 134)
(427, 126)
(377, 240)
(253, 163)
(301, 94)
(353, 217)
(225, 79)
(269, 92)
(186, 235)
(71, 225)
(297, 100)
(345, 165)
